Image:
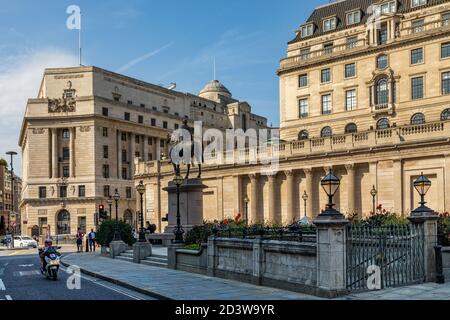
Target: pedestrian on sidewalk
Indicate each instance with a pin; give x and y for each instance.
(79, 241)
(92, 241)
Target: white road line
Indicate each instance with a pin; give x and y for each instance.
(2, 286)
(6, 264)
(8, 298)
(1, 271)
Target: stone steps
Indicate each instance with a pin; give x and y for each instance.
(156, 261)
(124, 258)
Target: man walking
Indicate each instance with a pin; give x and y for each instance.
(91, 238)
(79, 241)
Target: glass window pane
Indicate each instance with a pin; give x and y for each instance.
(445, 50)
(417, 88)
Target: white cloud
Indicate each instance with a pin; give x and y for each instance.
(20, 78)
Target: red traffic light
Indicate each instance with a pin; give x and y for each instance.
(101, 208)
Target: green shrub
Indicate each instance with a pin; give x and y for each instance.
(105, 233)
(444, 230)
(199, 234)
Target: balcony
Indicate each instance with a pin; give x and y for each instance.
(440, 25)
(383, 108)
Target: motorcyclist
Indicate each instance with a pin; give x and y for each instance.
(47, 246)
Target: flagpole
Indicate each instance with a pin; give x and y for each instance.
(79, 41)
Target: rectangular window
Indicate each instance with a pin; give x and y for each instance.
(105, 132)
(417, 26)
(106, 191)
(446, 83)
(66, 134)
(350, 100)
(82, 224)
(353, 17)
(142, 105)
(165, 124)
(326, 104)
(130, 102)
(124, 156)
(128, 192)
(150, 141)
(176, 126)
(150, 157)
(137, 154)
(329, 24)
(325, 75)
(137, 139)
(328, 48)
(352, 42)
(66, 154)
(445, 50)
(140, 119)
(42, 192)
(303, 80)
(127, 116)
(42, 222)
(124, 136)
(446, 19)
(303, 108)
(66, 172)
(417, 88)
(105, 152)
(350, 70)
(105, 112)
(161, 143)
(153, 122)
(307, 30)
(304, 53)
(382, 35)
(124, 174)
(106, 171)
(82, 191)
(63, 191)
(416, 3)
(417, 56)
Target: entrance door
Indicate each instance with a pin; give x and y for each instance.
(63, 222)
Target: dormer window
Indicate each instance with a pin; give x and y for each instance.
(417, 3)
(307, 30)
(329, 24)
(385, 8)
(353, 17)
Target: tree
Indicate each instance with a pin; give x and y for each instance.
(3, 162)
(105, 233)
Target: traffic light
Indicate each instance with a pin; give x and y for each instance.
(101, 212)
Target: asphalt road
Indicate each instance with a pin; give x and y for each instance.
(20, 279)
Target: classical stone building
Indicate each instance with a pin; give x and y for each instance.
(82, 134)
(364, 90)
(7, 196)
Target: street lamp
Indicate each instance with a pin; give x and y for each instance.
(109, 201)
(246, 201)
(373, 193)
(422, 185)
(178, 180)
(305, 198)
(12, 154)
(141, 189)
(330, 185)
(116, 230)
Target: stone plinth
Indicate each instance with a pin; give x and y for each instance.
(116, 248)
(141, 250)
(191, 204)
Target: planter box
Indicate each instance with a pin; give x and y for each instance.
(446, 263)
(105, 251)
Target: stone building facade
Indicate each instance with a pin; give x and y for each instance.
(7, 196)
(364, 90)
(81, 136)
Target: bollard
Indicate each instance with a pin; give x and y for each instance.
(440, 279)
(87, 244)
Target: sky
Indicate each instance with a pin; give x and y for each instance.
(156, 41)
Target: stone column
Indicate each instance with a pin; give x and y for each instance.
(132, 154)
(351, 188)
(331, 255)
(54, 153)
(273, 217)
(309, 191)
(119, 153)
(145, 148)
(158, 149)
(290, 197)
(398, 186)
(254, 216)
(72, 152)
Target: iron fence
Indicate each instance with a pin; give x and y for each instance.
(291, 233)
(397, 250)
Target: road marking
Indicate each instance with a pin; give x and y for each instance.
(26, 265)
(6, 264)
(1, 271)
(2, 286)
(26, 273)
(8, 297)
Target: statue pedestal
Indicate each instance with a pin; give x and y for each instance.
(191, 204)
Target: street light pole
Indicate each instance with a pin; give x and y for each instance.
(141, 189)
(373, 193)
(109, 201)
(12, 154)
(305, 198)
(246, 200)
(116, 227)
(178, 229)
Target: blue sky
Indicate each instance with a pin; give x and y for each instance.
(156, 41)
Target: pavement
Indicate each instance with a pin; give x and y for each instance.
(20, 279)
(163, 283)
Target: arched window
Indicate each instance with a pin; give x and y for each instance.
(418, 118)
(128, 217)
(383, 124)
(326, 132)
(382, 61)
(382, 91)
(303, 135)
(445, 115)
(63, 222)
(351, 128)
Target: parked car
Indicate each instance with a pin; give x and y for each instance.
(3, 242)
(24, 241)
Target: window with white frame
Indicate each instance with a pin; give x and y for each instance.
(329, 24)
(446, 19)
(416, 3)
(303, 108)
(304, 53)
(303, 80)
(417, 26)
(326, 104)
(307, 30)
(353, 17)
(350, 100)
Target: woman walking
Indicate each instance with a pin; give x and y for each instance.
(79, 241)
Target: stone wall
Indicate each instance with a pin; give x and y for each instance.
(188, 260)
(446, 263)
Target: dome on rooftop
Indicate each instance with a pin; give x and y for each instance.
(215, 87)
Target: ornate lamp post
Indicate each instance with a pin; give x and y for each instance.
(305, 199)
(116, 228)
(109, 201)
(373, 193)
(330, 185)
(12, 154)
(246, 201)
(141, 190)
(422, 185)
(178, 180)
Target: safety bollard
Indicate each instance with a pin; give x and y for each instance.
(87, 244)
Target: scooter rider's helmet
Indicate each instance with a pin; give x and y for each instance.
(48, 243)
